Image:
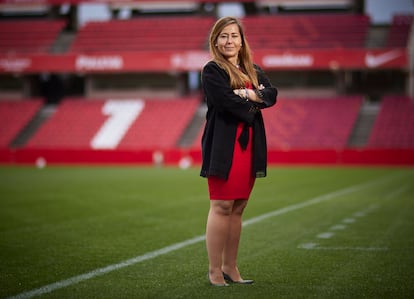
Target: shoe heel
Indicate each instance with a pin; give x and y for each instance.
(243, 281)
(216, 284)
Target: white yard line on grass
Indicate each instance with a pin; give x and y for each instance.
(360, 214)
(328, 235)
(156, 253)
(314, 246)
(397, 192)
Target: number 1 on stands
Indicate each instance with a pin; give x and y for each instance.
(122, 114)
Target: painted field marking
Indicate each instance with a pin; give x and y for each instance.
(397, 192)
(360, 214)
(308, 245)
(156, 253)
(338, 227)
(353, 248)
(327, 235)
(348, 220)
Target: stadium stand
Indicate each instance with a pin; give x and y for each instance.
(28, 36)
(394, 125)
(311, 123)
(143, 34)
(76, 122)
(307, 31)
(14, 116)
(264, 32)
(399, 31)
(308, 122)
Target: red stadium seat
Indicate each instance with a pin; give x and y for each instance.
(399, 31)
(28, 36)
(15, 115)
(394, 126)
(311, 123)
(307, 31)
(143, 34)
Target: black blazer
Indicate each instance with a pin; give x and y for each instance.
(225, 111)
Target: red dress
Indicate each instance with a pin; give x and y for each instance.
(240, 181)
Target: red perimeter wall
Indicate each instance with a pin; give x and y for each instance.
(174, 157)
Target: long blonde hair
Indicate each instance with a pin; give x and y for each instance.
(237, 79)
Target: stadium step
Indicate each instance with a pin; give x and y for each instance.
(377, 37)
(63, 42)
(23, 137)
(363, 126)
(193, 129)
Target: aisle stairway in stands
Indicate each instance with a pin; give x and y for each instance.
(42, 115)
(192, 133)
(364, 123)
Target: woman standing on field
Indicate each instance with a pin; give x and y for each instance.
(233, 144)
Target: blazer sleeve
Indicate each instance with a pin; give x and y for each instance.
(269, 93)
(217, 89)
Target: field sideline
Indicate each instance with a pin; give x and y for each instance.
(325, 232)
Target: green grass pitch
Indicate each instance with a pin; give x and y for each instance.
(137, 232)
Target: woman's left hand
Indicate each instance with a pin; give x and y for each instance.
(248, 94)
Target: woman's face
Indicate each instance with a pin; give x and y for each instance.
(229, 42)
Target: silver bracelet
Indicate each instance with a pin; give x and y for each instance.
(259, 93)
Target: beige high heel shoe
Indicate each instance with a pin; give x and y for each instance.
(216, 284)
(243, 281)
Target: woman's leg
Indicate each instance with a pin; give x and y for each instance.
(217, 234)
(232, 244)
